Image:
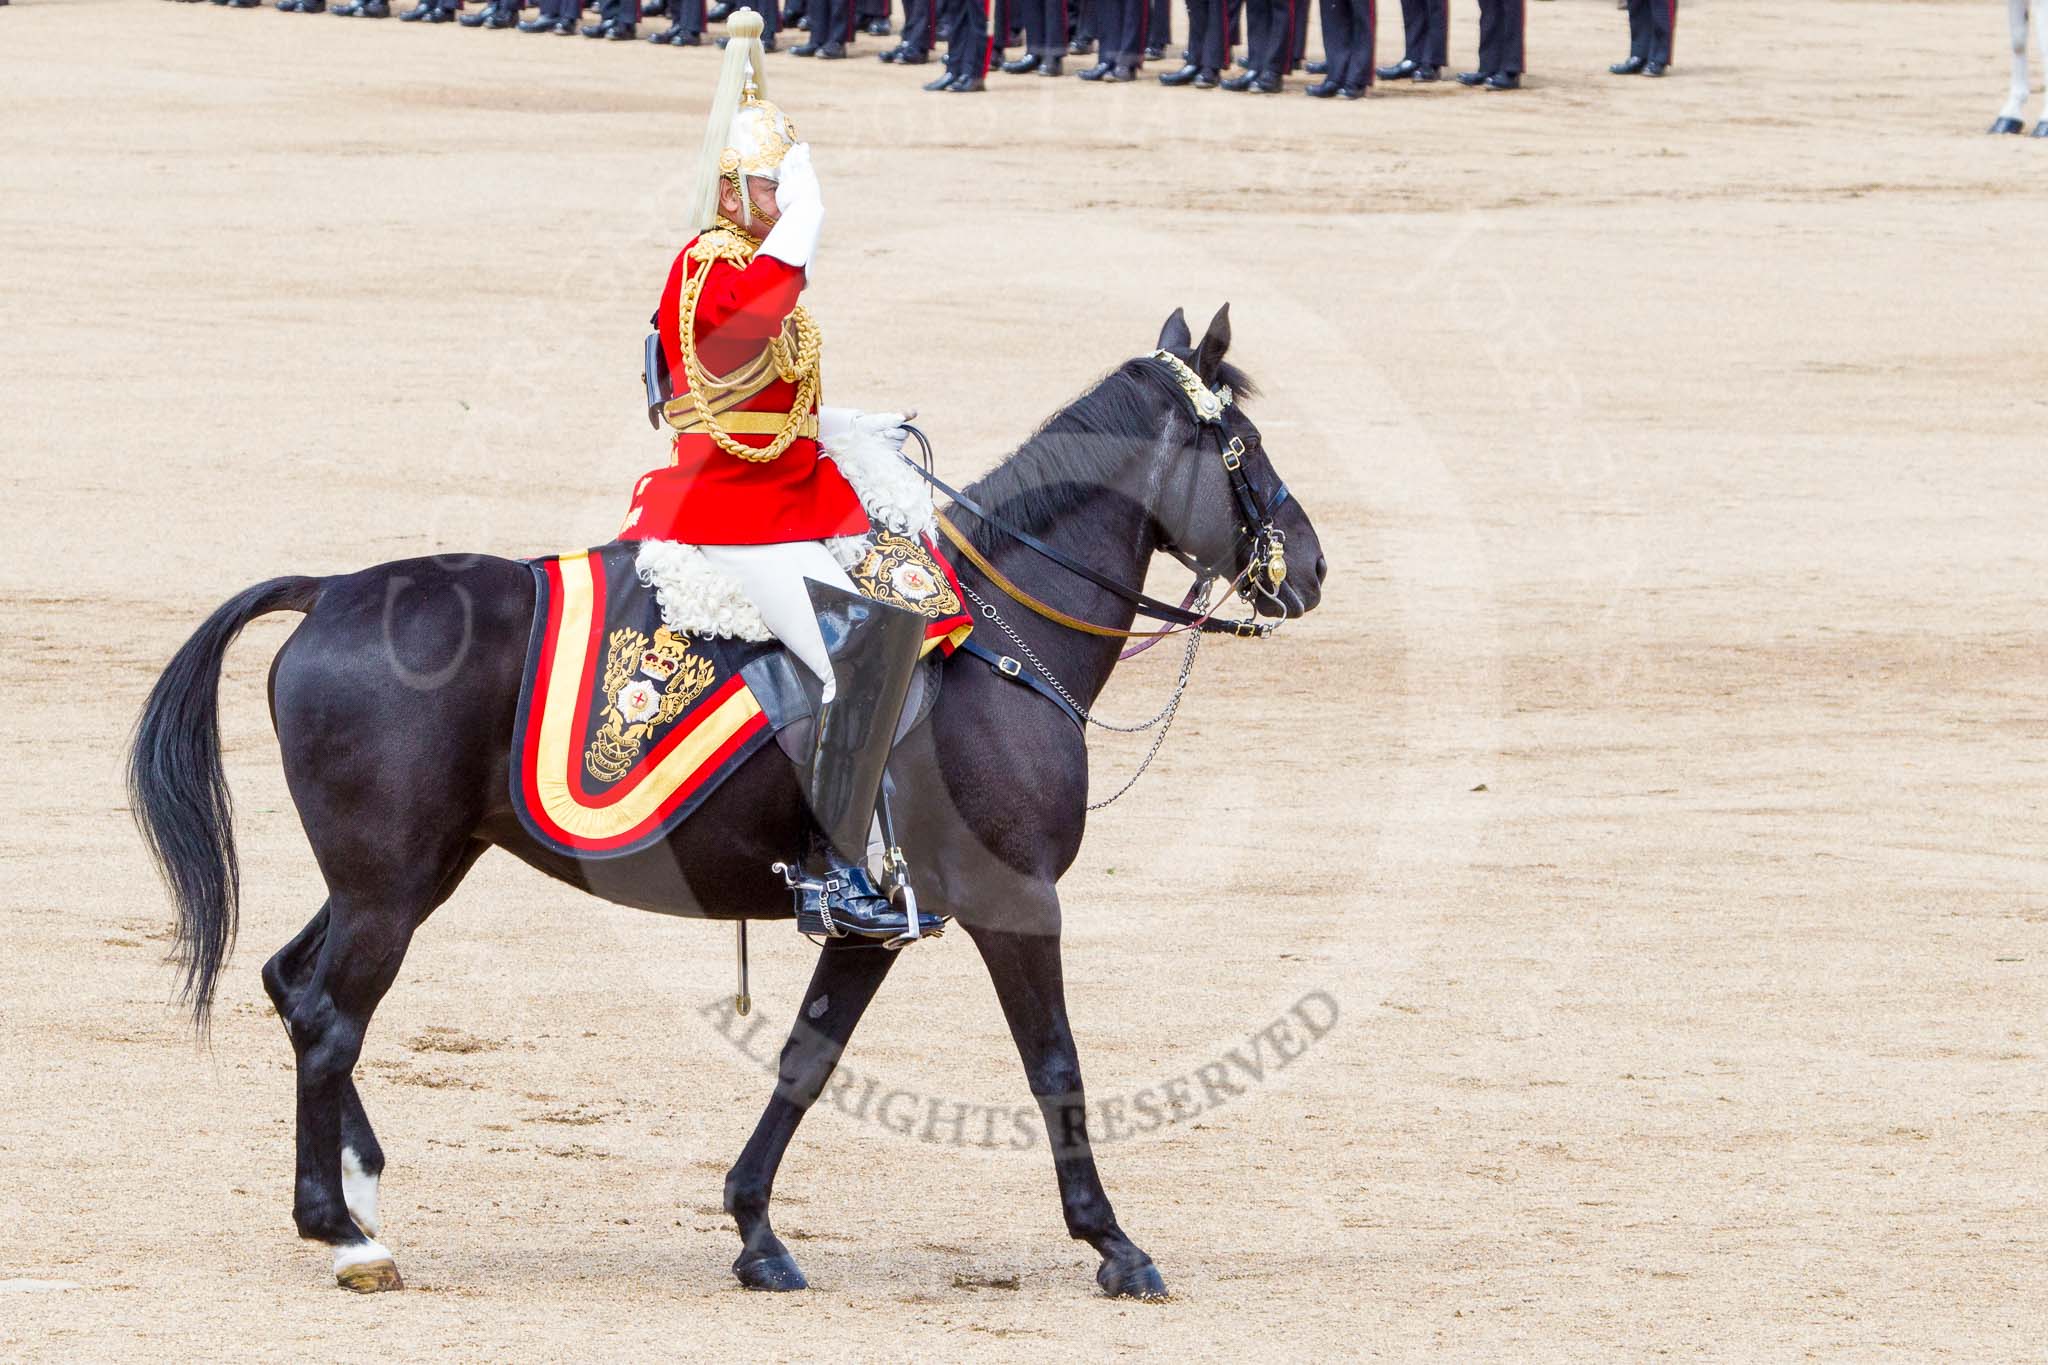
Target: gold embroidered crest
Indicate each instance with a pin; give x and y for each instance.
(900, 572)
(646, 685)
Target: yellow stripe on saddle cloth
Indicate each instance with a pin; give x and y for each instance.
(625, 726)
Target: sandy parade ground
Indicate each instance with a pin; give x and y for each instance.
(1644, 837)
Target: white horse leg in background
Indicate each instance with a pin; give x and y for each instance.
(2013, 118)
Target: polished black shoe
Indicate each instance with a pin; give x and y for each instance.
(911, 56)
(807, 49)
(876, 28)
(1399, 71)
(1081, 47)
(721, 11)
(832, 52)
(1350, 92)
(563, 28)
(1472, 77)
(1322, 90)
(1022, 66)
(767, 44)
(1316, 68)
(1628, 66)
(415, 14)
(1122, 74)
(1099, 71)
(364, 9)
(967, 85)
(1154, 51)
(1243, 82)
(1265, 85)
(1208, 79)
(890, 55)
(944, 82)
(678, 36)
(1654, 69)
(1503, 80)
(537, 26)
(1185, 76)
(1425, 74)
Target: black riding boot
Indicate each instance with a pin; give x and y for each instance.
(874, 649)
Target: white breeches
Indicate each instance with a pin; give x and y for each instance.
(772, 576)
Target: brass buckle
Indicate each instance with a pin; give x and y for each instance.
(1233, 454)
(1247, 629)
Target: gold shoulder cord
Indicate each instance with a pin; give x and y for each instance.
(795, 353)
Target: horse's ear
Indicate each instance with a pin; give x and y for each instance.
(1174, 336)
(1209, 355)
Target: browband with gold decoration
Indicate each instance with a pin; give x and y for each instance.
(1209, 403)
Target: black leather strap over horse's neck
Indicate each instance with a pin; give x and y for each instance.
(1256, 518)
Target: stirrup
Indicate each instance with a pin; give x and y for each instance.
(844, 902)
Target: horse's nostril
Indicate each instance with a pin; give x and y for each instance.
(1322, 567)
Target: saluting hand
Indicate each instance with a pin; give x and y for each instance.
(796, 185)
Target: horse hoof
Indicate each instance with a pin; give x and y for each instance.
(1131, 1280)
(775, 1274)
(370, 1277)
(2009, 125)
(2041, 128)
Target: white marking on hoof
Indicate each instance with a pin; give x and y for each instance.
(366, 1267)
(359, 1191)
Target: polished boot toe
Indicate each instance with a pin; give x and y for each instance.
(1316, 68)
(1265, 85)
(944, 82)
(1628, 66)
(1081, 47)
(1154, 51)
(1022, 66)
(1655, 69)
(912, 57)
(832, 52)
(1122, 74)
(807, 49)
(1185, 76)
(1208, 79)
(1322, 90)
(1098, 71)
(1503, 80)
(966, 85)
(1472, 77)
(1350, 92)
(1399, 71)
(1241, 82)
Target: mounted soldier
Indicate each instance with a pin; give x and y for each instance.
(733, 368)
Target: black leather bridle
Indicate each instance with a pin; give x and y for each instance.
(1265, 544)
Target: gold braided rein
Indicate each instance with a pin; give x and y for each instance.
(795, 352)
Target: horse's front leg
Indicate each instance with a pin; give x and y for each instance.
(2040, 30)
(846, 978)
(2011, 119)
(1026, 970)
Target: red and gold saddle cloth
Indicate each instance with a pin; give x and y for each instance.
(625, 726)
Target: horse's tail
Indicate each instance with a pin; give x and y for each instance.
(179, 793)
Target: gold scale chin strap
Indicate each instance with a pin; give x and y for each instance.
(795, 353)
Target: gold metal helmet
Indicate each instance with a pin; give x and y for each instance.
(747, 137)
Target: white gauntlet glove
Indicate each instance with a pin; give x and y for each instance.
(801, 206)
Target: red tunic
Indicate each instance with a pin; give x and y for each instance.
(708, 496)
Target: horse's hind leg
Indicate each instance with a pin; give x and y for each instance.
(1026, 970)
(285, 978)
(844, 981)
(2040, 31)
(369, 924)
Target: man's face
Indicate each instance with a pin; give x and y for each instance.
(760, 194)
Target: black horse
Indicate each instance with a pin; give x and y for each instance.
(394, 702)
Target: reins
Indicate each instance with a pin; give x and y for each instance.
(1267, 559)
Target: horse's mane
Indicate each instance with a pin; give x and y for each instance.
(1079, 450)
